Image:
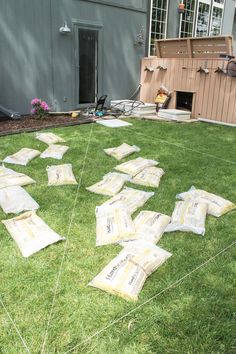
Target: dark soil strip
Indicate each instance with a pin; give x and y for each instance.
(46, 126)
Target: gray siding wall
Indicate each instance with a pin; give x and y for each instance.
(37, 61)
(228, 20)
(25, 53)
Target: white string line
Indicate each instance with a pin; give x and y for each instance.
(65, 245)
(151, 298)
(187, 148)
(16, 328)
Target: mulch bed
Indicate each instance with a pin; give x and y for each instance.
(29, 124)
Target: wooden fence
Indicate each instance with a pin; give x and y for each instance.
(205, 47)
(214, 93)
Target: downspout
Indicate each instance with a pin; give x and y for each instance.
(54, 105)
(149, 6)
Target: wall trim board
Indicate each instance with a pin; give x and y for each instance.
(143, 9)
(205, 120)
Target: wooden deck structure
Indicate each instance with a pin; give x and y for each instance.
(193, 66)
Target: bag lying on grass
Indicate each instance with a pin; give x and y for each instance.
(125, 275)
(9, 177)
(133, 167)
(189, 216)
(49, 138)
(54, 151)
(31, 233)
(15, 199)
(122, 151)
(149, 177)
(129, 198)
(22, 157)
(217, 206)
(110, 185)
(150, 225)
(113, 225)
(59, 175)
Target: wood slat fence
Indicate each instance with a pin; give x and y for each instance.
(214, 93)
(205, 47)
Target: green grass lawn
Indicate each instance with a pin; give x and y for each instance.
(47, 295)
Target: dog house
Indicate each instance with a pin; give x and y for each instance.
(200, 73)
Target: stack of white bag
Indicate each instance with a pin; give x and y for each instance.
(49, 138)
(110, 185)
(149, 177)
(59, 175)
(54, 151)
(150, 225)
(130, 199)
(122, 151)
(133, 167)
(15, 199)
(28, 230)
(190, 214)
(22, 157)
(31, 233)
(126, 273)
(9, 178)
(113, 225)
(217, 206)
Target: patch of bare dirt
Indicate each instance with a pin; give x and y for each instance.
(29, 123)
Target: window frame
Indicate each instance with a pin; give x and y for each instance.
(150, 25)
(194, 20)
(218, 6)
(206, 2)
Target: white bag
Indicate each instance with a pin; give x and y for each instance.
(150, 225)
(22, 157)
(217, 206)
(49, 138)
(129, 198)
(9, 178)
(122, 151)
(54, 151)
(15, 199)
(59, 175)
(189, 216)
(133, 167)
(31, 233)
(113, 225)
(146, 254)
(149, 177)
(110, 185)
(126, 273)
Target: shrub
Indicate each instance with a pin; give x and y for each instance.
(39, 108)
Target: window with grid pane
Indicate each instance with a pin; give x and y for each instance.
(216, 17)
(203, 18)
(187, 19)
(158, 22)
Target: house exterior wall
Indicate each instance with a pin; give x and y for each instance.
(228, 19)
(37, 61)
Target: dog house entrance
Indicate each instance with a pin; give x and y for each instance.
(184, 100)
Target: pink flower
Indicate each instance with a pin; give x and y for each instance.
(35, 101)
(44, 106)
(32, 111)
